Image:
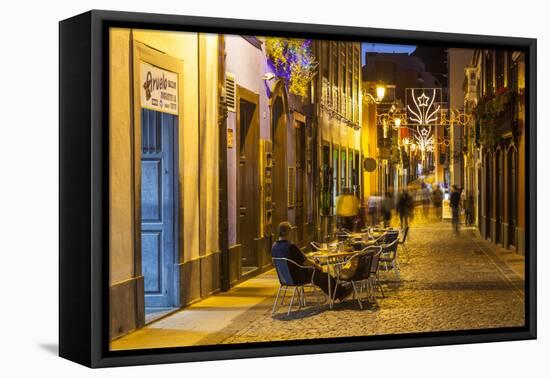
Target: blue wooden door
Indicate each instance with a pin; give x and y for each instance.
(158, 209)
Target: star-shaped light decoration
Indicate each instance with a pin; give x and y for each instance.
(423, 100)
(424, 131)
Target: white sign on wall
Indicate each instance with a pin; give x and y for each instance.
(159, 89)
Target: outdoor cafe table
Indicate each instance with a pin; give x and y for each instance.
(328, 256)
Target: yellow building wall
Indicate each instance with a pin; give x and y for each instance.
(369, 149)
(208, 144)
(184, 46)
(198, 157)
(120, 175)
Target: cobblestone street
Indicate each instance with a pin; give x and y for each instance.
(448, 282)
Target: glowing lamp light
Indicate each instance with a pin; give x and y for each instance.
(380, 92)
(397, 122)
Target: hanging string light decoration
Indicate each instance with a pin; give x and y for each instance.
(423, 112)
(292, 60)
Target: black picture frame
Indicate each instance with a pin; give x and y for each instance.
(83, 196)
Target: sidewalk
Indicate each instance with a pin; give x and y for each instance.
(449, 283)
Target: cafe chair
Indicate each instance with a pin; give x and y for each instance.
(342, 234)
(372, 283)
(316, 246)
(386, 241)
(358, 270)
(295, 277)
(388, 258)
(401, 242)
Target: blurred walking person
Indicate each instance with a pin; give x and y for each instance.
(470, 210)
(404, 208)
(373, 209)
(347, 209)
(425, 198)
(455, 206)
(387, 205)
(437, 199)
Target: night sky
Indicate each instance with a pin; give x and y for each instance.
(384, 48)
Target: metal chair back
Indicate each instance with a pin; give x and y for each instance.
(405, 233)
(284, 268)
(283, 271)
(375, 261)
(389, 251)
(364, 267)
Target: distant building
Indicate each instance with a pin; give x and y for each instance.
(398, 164)
(457, 60)
(400, 70)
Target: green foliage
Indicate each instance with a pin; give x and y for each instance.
(491, 111)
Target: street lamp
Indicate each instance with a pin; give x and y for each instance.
(380, 93)
(397, 122)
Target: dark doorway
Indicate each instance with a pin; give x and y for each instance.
(499, 208)
(279, 186)
(488, 195)
(512, 195)
(335, 176)
(478, 193)
(301, 184)
(356, 184)
(158, 212)
(343, 171)
(248, 184)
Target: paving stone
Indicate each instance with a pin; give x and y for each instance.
(448, 283)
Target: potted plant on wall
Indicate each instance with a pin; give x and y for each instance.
(293, 61)
(494, 112)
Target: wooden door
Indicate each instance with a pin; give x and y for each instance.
(488, 195)
(499, 208)
(512, 196)
(158, 208)
(335, 176)
(248, 184)
(300, 182)
(279, 186)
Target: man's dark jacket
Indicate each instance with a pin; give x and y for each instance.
(284, 248)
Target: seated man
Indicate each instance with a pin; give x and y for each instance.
(284, 248)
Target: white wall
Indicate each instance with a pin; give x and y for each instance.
(248, 64)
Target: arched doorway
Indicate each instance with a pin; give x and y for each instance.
(499, 192)
(512, 195)
(279, 122)
(488, 194)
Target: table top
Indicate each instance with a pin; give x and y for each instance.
(330, 253)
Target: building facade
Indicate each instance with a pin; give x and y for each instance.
(457, 59)
(337, 105)
(211, 148)
(162, 172)
(495, 155)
